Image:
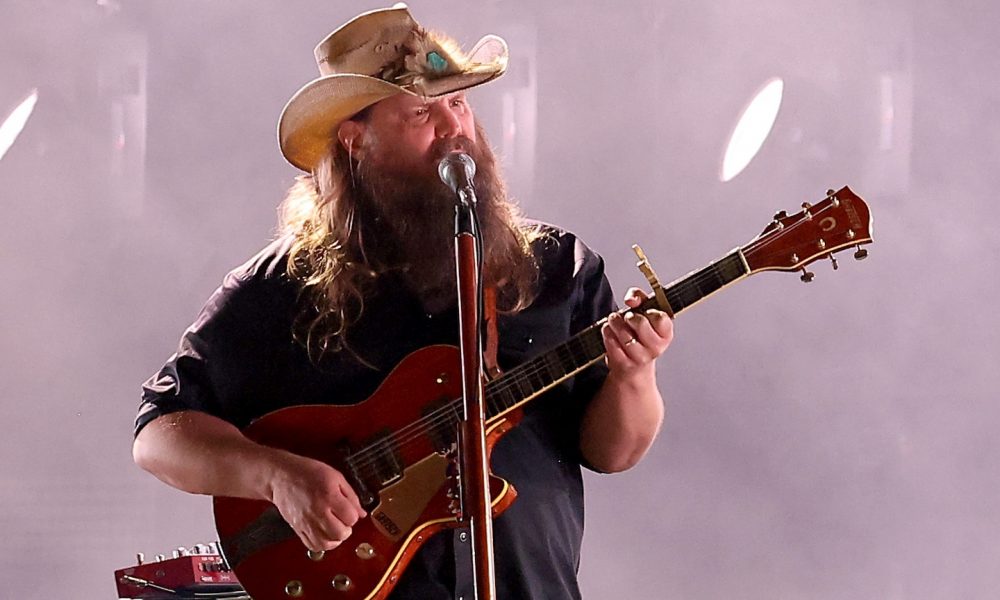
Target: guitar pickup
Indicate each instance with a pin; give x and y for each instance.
(380, 463)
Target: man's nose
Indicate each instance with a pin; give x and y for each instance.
(447, 124)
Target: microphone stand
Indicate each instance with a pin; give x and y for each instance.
(474, 476)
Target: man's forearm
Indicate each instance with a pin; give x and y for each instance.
(622, 421)
(198, 453)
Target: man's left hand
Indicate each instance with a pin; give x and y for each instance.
(634, 341)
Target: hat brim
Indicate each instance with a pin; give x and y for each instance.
(307, 123)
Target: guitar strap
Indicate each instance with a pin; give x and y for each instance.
(490, 366)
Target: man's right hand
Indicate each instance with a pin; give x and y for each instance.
(193, 451)
(315, 499)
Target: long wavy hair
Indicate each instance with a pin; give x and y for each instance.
(325, 215)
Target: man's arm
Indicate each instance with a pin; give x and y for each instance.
(201, 454)
(622, 420)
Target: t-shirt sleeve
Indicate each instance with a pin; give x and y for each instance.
(593, 300)
(217, 356)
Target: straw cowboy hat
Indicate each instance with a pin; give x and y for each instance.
(373, 56)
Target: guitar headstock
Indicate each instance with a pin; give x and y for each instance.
(790, 242)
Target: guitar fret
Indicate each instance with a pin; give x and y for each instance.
(502, 398)
(701, 284)
(579, 348)
(731, 268)
(566, 358)
(523, 385)
(552, 366)
(535, 376)
(593, 344)
(498, 400)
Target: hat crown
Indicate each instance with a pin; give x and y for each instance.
(366, 44)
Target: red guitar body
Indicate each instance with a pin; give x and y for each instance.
(409, 493)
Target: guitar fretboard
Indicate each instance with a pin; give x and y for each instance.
(549, 369)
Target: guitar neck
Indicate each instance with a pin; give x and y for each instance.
(523, 383)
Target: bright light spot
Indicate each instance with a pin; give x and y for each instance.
(14, 123)
(752, 129)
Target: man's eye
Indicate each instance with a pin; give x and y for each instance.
(457, 101)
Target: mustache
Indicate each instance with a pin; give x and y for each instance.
(443, 147)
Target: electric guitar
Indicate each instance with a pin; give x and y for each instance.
(397, 448)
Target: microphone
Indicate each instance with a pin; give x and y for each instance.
(456, 170)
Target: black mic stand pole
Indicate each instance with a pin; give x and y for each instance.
(474, 465)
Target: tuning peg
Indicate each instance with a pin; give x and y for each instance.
(807, 276)
(861, 254)
(831, 195)
(780, 215)
(806, 205)
(833, 259)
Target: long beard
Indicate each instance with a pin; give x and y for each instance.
(408, 223)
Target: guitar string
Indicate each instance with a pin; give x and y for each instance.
(368, 455)
(515, 378)
(513, 382)
(415, 430)
(363, 461)
(448, 413)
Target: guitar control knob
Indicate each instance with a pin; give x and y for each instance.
(861, 254)
(341, 582)
(807, 276)
(315, 555)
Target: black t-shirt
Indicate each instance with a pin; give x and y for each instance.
(238, 361)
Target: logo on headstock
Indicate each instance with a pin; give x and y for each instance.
(852, 214)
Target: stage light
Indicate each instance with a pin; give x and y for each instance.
(752, 128)
(14, 123)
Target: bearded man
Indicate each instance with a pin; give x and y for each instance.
(361, 276)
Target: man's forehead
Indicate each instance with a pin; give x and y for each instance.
(409, 100)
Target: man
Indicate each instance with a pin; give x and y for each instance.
(361, 276)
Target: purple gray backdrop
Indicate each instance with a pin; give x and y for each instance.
(823, 441)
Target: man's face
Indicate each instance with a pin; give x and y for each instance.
(410, 213)
(410, 135)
